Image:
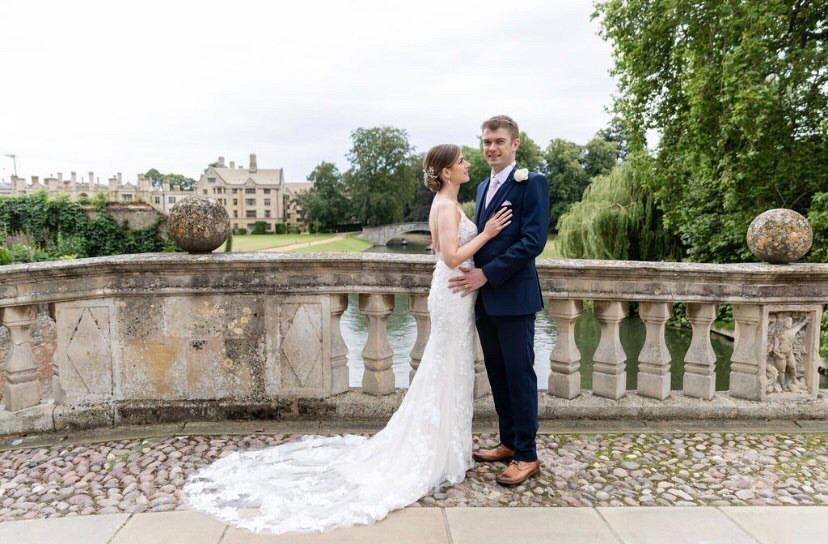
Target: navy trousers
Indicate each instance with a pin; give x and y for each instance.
(509, 353)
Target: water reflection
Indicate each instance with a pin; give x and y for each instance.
(402, 331)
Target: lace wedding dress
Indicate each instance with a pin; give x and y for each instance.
(318, 483)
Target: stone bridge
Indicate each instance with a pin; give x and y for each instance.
(381, 235)
(172, 337)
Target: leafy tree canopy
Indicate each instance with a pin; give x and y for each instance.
(738, 90)
(176, 181)
(326, 202)
(382, 179)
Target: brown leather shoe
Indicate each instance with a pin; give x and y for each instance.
(518, 472)
(493, 455)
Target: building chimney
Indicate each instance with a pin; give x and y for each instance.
(120, 179)
(60, 176)
(91, 176)
(74, 177)
(232, 164)
(252, 167)
(35, 180)
(221, 162)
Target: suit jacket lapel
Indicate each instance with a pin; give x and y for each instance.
(500, 195)
(481, 199)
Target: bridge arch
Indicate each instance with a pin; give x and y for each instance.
(381, 235)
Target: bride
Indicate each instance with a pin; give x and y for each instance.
(318, 483)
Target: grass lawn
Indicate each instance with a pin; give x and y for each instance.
(349, 244)
(257, 242)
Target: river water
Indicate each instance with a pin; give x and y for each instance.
(402, 331)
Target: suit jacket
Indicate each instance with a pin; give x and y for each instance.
(508, 260)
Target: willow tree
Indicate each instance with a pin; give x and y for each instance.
(616, 219)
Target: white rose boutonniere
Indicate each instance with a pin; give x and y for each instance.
(521, 174)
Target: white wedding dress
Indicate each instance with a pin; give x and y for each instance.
(318, 483)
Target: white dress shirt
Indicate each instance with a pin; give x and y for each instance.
(496, 181)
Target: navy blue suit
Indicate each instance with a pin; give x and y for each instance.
(507, 303)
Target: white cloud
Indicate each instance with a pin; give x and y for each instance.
(110, 86)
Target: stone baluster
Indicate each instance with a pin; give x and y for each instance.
(700, 360)
(378, 378)
(609, 378)
(418, 307)
(339, 350)
(654, 359)
(565, 359)
(22, 389)
(481, 379)
(746, 368)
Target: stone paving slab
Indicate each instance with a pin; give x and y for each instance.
(792, 524)
(407, 526)
(676, 525)
(68, 530)
(527, 525)
(170, 528)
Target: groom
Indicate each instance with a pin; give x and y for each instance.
(509, 296)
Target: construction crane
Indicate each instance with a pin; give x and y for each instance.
(13, 157)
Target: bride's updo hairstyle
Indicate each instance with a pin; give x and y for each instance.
(438, 157)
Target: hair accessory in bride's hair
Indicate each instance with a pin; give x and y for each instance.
(428, 173)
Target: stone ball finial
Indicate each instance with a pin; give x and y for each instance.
(779, 236)
(198, 224)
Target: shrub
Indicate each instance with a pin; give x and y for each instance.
(314, 227)
(5, 258)
(241, 231)
(228, 245)
(281, 228)
(259, 228)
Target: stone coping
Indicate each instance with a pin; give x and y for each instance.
(355, 406)
(272, 273)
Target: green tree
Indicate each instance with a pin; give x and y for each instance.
(529, 154)
(598, 156)
(565, 175)
(381, 181)
(616, 219)
(326, 202)
(176, 181)
(479, 170)
(738, 91)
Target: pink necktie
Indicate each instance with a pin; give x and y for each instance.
(492, 191)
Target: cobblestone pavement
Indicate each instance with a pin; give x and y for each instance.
(610, 469)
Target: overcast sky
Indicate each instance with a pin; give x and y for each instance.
(128, 86)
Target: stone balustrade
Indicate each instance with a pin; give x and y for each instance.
(170, 337)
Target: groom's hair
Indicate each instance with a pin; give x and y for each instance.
(502, 121)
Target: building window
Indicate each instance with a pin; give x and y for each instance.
(211, 180)
(235, 202)
(267, 191)
(235, 225)
(158, 200)
(235, 191)
(126, 197)
(205, 191)
(251, 226)
(267, 213)
(250, 214)
(235, 214)
(250, 201)
(250, 191)
(171, 200)
(267, 202)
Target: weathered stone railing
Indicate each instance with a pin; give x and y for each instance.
(171, 336)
